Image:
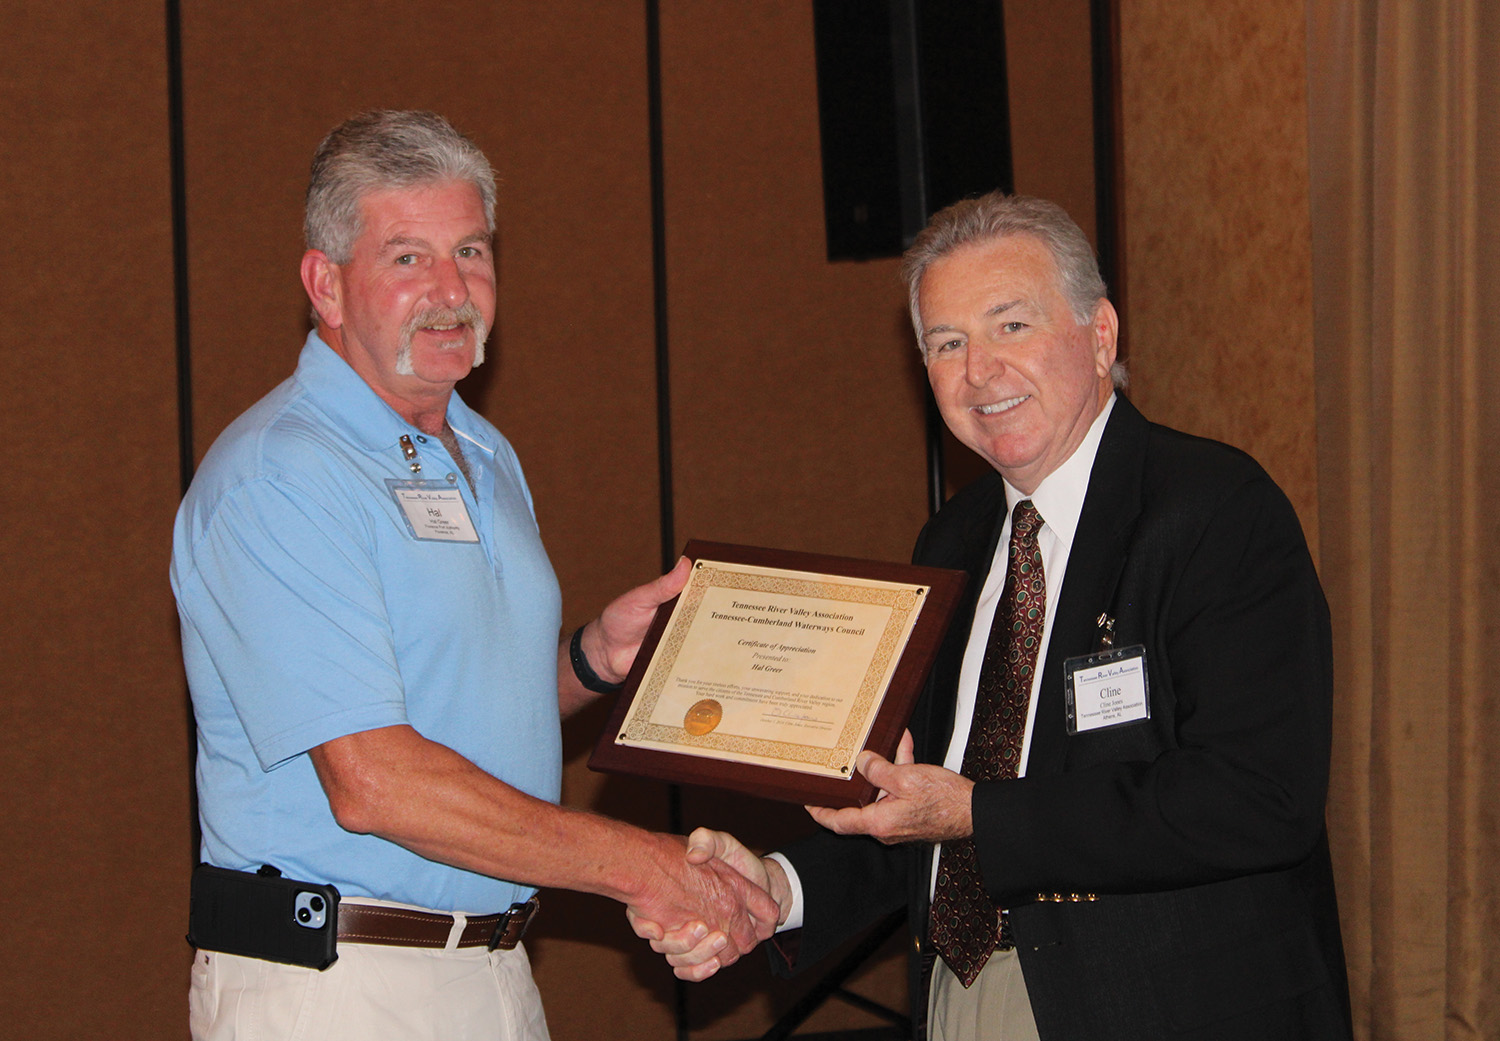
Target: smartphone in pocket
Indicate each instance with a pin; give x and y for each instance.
(264, 915)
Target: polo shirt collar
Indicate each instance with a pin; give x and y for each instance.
(338, 391)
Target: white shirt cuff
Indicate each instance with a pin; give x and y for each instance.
(794, 915)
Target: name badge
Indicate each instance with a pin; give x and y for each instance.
(1106, 689)
(434, 510)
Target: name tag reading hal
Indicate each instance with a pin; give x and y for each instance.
(1106, 689)
(434, 510)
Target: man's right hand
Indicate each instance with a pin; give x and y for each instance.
(704, 904)
(694, 950)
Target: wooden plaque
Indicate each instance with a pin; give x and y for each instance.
(773, 670)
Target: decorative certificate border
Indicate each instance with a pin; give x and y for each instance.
(902, 600)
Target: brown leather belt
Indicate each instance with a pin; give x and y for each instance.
(1005, 940)
(402, 927)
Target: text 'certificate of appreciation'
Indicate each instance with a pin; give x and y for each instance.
(770, 667)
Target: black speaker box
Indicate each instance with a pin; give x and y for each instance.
(913, 112)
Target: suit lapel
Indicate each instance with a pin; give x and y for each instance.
(1110, 509)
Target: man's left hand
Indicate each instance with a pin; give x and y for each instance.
(917, 802)
(610, 642)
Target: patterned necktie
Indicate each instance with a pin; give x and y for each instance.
(965, 924)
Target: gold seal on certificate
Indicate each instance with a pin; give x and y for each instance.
(772, 671)
(703, 717)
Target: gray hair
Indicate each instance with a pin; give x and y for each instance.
(378, 151)
(996, 216)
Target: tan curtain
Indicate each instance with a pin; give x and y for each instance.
(1405, 119)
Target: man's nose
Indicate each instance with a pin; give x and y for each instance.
(982, 363)
(450, 288)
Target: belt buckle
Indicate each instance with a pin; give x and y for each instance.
(525, 912)
(1004, 939)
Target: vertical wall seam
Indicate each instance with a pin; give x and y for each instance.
(177, 153)
(178, 160)
(659, 286)
(667, 508)
(1466, 992)
(1104, 46)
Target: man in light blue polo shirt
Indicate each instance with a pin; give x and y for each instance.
(370, 629)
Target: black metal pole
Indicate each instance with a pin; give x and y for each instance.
(663, 383)
(833, 984)
(177, 150)
(1106, 205)
(937, 475)
(916, 206)
(659, 288)
(178, 164)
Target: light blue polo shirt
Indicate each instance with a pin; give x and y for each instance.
(310, 611)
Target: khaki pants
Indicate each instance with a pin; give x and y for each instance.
(371, 993)
(995, 1008)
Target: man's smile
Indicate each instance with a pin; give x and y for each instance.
(1000, 406)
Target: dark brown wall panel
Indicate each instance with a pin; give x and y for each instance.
(796, 385)
(95, 770)
(1051, 98)
(1217, 234)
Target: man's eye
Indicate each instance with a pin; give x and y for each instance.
(948, 345)
(407, 258)
(469, 252)
(1013, 327)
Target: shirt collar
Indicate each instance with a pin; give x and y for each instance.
(1059, 498)
(338, 391)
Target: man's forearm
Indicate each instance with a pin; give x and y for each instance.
(396, 784)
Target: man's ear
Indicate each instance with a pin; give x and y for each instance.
(1106, 328)
(320, 277)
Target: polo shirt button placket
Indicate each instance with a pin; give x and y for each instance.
(409, 452)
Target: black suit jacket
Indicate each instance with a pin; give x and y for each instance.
(1198, 833)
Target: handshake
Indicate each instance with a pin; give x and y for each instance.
(725, 899)
(742, 898)
(707, 905)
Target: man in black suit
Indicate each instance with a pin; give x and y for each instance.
(1109, 820)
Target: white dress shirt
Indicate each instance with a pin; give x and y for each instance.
(1059, 500)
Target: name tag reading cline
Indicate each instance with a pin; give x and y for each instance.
(1106, 689)
(434, 510)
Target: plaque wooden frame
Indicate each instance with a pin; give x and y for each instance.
(945, 588)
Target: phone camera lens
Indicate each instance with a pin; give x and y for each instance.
(316, 903)
(303, 914)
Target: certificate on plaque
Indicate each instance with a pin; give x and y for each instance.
(773, 670)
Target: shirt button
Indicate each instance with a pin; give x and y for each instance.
(421, 439)
(453, 478)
